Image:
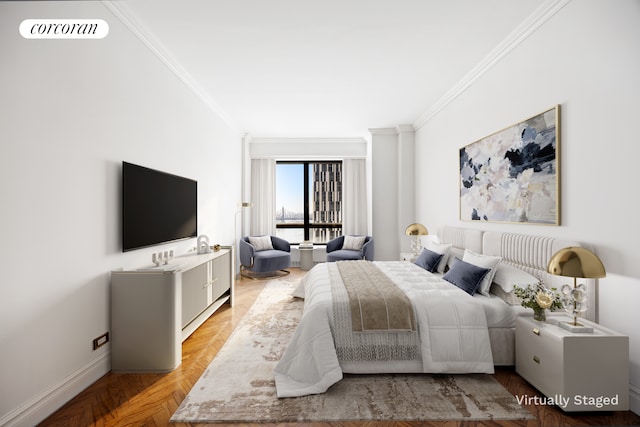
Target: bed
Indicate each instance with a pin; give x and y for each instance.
(454, 332)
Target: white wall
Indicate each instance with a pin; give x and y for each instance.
(385, 176)
(70, 112)
(586, 59)
(393, 189)
(307, 148)
(406, 185)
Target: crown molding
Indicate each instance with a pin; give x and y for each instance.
(258, 140)
(405, 129)
(517, 36)
(121, 11)
(383, 131)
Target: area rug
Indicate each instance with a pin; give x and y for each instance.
(239, 386)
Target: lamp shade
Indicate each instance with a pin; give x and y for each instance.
(416, 229)
(576, 262)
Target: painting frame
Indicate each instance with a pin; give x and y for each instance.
(513, 175)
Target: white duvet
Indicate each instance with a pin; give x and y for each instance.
(452, 330)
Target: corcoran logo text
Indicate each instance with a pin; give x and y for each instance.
(64, 29)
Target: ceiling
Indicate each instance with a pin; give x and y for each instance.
(324, 68)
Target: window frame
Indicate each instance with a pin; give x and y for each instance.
(307, 224)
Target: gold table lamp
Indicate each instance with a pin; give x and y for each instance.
(575, 262)
(416, 230)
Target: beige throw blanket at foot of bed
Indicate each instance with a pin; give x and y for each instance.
(377, 304)
(353, 345)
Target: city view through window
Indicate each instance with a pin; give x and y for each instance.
(308, 201)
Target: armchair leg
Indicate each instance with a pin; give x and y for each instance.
(262, 276)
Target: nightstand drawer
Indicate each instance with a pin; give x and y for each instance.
(539, 358)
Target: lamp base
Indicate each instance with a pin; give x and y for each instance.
(579, 328)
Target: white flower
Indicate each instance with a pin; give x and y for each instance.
(544, 300)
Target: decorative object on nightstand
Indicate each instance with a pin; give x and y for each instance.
(416, 230)
(538, 298)
(576, 262)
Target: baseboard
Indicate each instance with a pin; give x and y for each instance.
(46, 403)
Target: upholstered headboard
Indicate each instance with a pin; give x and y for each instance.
(461, 239)
(465, 238)
(528, 252)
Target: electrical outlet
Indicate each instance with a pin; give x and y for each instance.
(101, 340)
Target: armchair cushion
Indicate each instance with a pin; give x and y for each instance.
(271, 260)
(261, 243)
(353, 243)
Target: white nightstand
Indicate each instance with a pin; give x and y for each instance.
(408, 256)
(576, 371)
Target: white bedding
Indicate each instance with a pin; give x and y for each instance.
(499, 314)
(452, 329)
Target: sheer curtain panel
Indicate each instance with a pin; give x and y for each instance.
(263, 196)
(354, 197)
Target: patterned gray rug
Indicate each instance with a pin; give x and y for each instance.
(238, 385)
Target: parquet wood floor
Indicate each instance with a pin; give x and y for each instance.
(150, 399)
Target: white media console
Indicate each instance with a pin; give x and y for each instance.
(154, 309)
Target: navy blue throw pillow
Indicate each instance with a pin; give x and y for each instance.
(428, 260)
(466, 276)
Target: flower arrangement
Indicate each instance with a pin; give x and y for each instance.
(539, 299)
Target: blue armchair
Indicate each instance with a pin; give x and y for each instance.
(337, 252)
(265, 257)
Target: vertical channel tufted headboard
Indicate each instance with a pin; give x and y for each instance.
(461, 239)
(523, 249)
(532, 254)
(528, 252)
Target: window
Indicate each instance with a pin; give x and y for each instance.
(308, 201)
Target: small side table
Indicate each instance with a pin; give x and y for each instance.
(306, 257)
(408, 256)
(576, 371)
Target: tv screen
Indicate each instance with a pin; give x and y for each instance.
(157, 207)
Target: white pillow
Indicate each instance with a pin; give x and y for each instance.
(439, 248)
(508, 297)
(354, 243)
(484, 261)
(507, 276)
(455, 254)
(261, 243)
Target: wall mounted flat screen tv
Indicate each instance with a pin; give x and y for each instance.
(157, 207)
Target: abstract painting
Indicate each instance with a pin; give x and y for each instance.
(513, 175)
